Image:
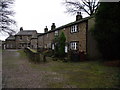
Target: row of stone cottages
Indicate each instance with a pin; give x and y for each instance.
(77, 33)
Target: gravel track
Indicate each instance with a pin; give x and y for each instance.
(17, 73)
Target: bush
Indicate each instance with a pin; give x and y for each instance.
(48, 53)
(74, 56)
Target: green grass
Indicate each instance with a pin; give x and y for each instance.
(58, 74)
(89, 74)
(22, 53)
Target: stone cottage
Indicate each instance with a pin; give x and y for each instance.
(34, 41)
(77, 33)
(23, 37)
(10, 42)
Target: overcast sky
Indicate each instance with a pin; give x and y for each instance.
(36, 14)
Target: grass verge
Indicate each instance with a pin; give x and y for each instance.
(89, 74)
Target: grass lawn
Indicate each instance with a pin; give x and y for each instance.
(88, 74)
(19, 72)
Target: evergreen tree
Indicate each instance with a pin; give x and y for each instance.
(107, 29)
(62, 39)
(60, 45)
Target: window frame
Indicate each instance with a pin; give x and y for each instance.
(74, 45)
(56, 33)
(74, 29)
(53, 46)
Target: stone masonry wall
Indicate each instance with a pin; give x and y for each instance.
(10, 44)
(25, 39)
(45, 40)
(33, 43)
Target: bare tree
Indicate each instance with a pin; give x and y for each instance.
(87, 6)
(6, 14)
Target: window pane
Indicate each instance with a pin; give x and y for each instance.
(74, 45)
(75, 28)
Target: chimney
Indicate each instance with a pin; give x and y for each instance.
(21, 28)
(53, 26)
(78, 16)
(46, 29)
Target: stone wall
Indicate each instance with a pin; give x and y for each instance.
(92, 49)
(40, 41)
(10, 44)
(45, 41)
(48, 38)
(24, 42)
(33, 43)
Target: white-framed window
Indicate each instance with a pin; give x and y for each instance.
(73, 45)
(49, 45)
(53, 46)
(56, 33)
(74, 29)
(45, 46)
(66, 49)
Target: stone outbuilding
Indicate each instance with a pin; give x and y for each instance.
(10, 42)
(23, 37)
(34, 41)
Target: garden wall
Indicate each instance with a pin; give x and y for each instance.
(32, 55)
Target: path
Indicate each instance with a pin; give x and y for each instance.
(17, 72)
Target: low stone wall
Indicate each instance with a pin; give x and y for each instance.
(32, 55)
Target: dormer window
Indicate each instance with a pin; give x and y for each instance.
(56, 33)
(74, 28)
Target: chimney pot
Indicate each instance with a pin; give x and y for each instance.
(53, 26)
(46, 29)
(78, 16)
(21, 28)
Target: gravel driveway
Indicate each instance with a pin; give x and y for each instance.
(17, 72)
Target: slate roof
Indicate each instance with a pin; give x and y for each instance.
(67, 25)
(11, 37)
(36, 35)
(26, 32)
